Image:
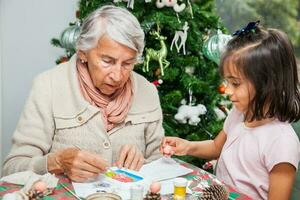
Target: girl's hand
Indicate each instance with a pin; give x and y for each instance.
(78, 165)
(130, 157)
(174, 145)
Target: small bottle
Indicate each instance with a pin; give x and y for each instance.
(180, 188)
(136, 192)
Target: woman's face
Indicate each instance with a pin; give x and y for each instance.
(238, 88)
(110, 64)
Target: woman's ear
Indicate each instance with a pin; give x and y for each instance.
(82, 56)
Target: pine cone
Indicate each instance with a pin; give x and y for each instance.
(152, 196)
(214, 192)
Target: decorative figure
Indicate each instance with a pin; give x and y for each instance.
(183, 36)
(130, 3)
(190, 112)
(170, 3)
(158, 55)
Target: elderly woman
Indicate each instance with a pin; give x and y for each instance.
(93, 111)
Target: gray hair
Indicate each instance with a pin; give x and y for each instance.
(117, 23)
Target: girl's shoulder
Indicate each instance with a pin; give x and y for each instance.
(279, 143)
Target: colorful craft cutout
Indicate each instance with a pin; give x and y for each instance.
(123, 176)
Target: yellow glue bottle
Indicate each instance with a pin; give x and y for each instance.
(180, 188)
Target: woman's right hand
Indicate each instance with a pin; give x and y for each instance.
(78, 165)
(178, 146)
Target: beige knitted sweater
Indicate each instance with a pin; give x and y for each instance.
(57, 116)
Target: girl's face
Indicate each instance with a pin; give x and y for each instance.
(238, 88)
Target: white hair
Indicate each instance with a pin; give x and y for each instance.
(117, 23)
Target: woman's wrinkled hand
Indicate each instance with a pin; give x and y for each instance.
(130, 157)
(79, 165)
(174, 145)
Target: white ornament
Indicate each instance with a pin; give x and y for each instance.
(170, 3)
(220, 114)
(130, 3)
(183, 36)
(147, 1)
(190, 113)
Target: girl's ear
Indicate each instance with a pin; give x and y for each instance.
(82, 56)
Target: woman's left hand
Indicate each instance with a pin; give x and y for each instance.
(130, 157)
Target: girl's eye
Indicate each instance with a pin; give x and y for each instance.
(235, 84)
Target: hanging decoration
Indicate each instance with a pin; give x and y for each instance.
(215, 45)
(157, 82)
(190, 70)
(190, 113)
(69, 36)
(222, 88)
(147, 1)
(157, 55)
(190, 8)
(130, 3)
(170, 3)
(182, 35)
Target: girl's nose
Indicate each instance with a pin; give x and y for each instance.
(228, 90)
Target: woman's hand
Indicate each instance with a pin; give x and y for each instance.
(174, 145)
(78, 165)
(130, 157)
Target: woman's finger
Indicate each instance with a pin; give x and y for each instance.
(122, 156)
(135, 161)
(130, 156)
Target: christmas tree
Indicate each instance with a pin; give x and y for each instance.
(175, 32)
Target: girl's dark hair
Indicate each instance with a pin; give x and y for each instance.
(266, 58)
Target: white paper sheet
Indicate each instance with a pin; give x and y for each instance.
(161, 169)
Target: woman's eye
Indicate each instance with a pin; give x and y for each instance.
(106, 63)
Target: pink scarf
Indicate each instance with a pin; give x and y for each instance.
(114, 108)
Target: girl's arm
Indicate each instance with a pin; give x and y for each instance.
(208, 149)
(282, 178)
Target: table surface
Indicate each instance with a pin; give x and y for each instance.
(199, 179)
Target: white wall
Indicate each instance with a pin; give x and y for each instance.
(26, 28)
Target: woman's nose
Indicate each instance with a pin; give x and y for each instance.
(116, 74)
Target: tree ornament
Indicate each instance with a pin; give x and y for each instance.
(158, 55)
(215, 45)
(130, 3)
(222, 88)
(170, 3)
(69, 36)
(190, 70)
(147, 1)
(157, 82)
(183, 36)
(219, 113)
(190, 113)
(190, 8)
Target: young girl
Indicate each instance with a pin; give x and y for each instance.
(258, 151)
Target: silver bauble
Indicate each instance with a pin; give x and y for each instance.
(215, 45)
(69, 36)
